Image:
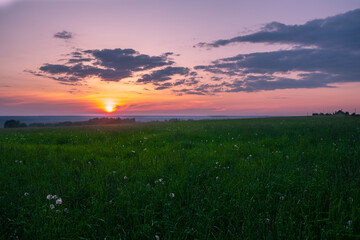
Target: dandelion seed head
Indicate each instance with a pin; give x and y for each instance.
(26, 194)
(52, 206)
(172, 195)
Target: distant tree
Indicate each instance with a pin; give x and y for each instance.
(340, 113)
(174, 120)
(11, 124)
(36, 125)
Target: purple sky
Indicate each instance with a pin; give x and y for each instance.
(179, 57)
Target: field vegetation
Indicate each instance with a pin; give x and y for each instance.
(276, 178)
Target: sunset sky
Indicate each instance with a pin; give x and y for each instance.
(198, 57)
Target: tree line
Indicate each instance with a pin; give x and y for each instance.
(94, 121)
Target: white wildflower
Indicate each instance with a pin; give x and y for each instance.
(217, 178)
(59, 201)
(48, 197)
(54, 197)
(172, 195)
(26, 194)
(125, 177)
(157, 237)
(52, 206)
(132, 151)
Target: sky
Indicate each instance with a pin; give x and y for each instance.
(160, 57)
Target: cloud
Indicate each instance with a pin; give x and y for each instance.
(163, 74)
(192, 81)
(107, 64)
(114, 65)
(63, 35)
(327, 52)
(340, 31)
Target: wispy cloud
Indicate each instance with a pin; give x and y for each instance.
(63, 35)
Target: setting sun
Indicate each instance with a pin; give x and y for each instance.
(110, 109)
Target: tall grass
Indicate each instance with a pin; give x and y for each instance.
(278, 178)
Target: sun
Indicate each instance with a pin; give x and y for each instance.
(109, 108)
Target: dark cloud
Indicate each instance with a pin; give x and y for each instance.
(117, 64)
(317, 68)
(331, 61)
(107, 64)
(340, 31)
(128, 59)
(327, 52)
(163, 74)
(192, 81)
(63, 35)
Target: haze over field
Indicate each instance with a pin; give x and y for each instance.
(179, 57)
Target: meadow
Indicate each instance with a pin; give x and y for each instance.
(275, 178)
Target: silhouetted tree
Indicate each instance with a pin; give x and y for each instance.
(13, 124)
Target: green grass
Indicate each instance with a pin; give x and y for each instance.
(278, 178)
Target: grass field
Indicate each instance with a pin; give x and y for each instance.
(277, 178)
